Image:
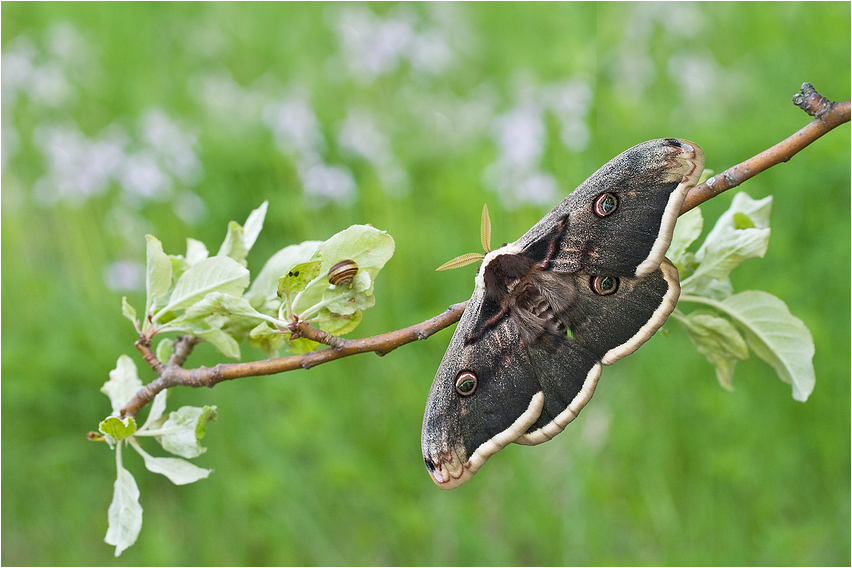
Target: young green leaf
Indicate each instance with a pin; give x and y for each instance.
(687, 229)
(195, 251)
(184, 429)
(347, 300)
(337, 324)
(125, 513)
(718, 340)
(253, 225)
(216, 274)
(234, 246)
(298, 277)
(238, 241)
(127, 310)
(117, 428)
(265, 284)
(158, 275)
(158, 406)
(123, 383)
(227, 345)
(165, 349)
(267, 339)
(179, 471)
(301, 345)
(219, 303)
(264, 331)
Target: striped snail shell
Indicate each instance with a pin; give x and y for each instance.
(342, 273)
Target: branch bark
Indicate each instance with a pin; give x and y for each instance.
(172, 374)
(827, 116)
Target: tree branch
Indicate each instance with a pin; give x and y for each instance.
(172, 375)
(827, 115)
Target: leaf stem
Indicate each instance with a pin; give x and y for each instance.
(298, 297)
(722, 308)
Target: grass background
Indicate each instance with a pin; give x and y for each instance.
(323, 467)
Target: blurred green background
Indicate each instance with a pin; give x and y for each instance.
(172, 119)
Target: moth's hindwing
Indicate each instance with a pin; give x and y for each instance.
(594, 265)
(604, 328)
(614, 326)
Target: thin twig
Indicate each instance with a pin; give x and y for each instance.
(828, 115)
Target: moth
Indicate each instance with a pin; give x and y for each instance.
(586, 286)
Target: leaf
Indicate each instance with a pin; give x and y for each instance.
(369, 247)
(301, 345)
(216, 274)
(298, 277)
(719, 341)
(265, 284)
(179, 471)
(127, 310)
(234, 246)
(337, 324)
(266, 338)
(184, 429)
(179, 266)
(123, 383)
(158, 406)
(777, 337)
(461, 260)
(158, 274)
(125, 513)
(687, 229)
(239, 240)
(195, 251)
(219, 303)
(264, 331)
(726, 246)
(227, 345)
(165, 349)
(253, 225)
(742, 221)
(118, 428)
